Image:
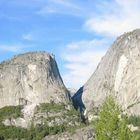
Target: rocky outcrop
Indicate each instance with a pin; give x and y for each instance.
(18, 122)
(72, 91)
(87, 133)
(56, 115)
(117, 74)
(31, 78)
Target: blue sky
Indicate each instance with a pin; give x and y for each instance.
(78, 32)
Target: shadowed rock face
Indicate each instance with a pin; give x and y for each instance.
(31, 78)
(118, 74)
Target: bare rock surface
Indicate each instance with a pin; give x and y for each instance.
(117, 74)
(31, 78)
(18, 122)
(28, 80)
(72, 91)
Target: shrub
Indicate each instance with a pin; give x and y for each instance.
(45, 107)
(12, 132)
(135, 120)
(10, 112)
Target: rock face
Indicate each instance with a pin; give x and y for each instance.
(31, 78)
(117, 74)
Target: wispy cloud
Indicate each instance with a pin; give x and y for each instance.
(102, 18)
(109, 20)
(66, 3)
(27, 36)
(123, 18)
(11, 48)
(89, 44)
(81, 59)
(46, 10)
(64, 7)
(105, 19)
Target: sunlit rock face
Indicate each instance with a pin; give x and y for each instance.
(31, 78)
(117, 74)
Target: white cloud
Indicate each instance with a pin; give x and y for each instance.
(81, 60)
(46, 10)
(11, 48)
(64, 7)
(79, 68)
(89, 44)
(65, 3)
(27, 36)
(124, 18)
(104, 18)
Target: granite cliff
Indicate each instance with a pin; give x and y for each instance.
(35, 101)
(117, 74)
(31, 78)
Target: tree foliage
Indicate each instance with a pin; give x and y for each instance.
(110, 125)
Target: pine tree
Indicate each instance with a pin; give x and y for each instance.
(110, 126)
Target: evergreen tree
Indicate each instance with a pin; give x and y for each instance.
(110, 126)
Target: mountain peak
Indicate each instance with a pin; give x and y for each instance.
(117, 74)
(31, 78)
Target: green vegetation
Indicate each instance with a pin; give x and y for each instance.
(72, 112)
(110, 126)
(10, 112)
(12, 132)
(35, 132)
(137, 134)
(46, 107)
(135, 120)
(39, 131)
